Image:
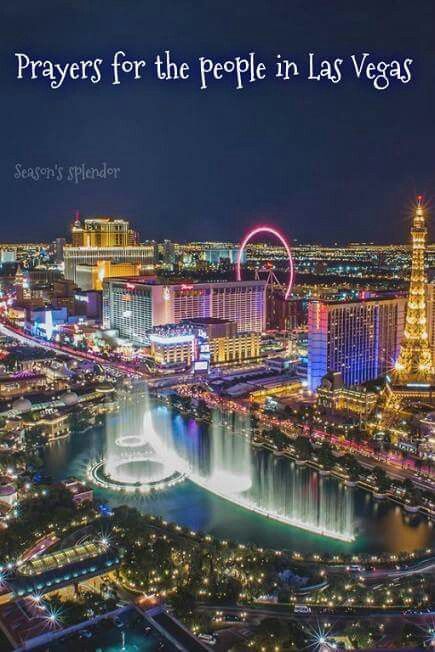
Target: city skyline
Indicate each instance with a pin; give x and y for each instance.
(65, 232)
(254, 395)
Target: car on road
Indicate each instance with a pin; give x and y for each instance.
(302, 609)
(208, 638)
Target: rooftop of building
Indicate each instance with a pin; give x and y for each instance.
(63, 558)
(76, 486)
(388, 296)
(264, 383)
(273, 381)
(64, 567)
(71, 248)
(186, 284)
(207, 320)
(23, 620)
(105, 220)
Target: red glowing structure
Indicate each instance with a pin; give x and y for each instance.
(280, 237)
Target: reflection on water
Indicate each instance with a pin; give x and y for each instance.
(380, 525)
(221, 459)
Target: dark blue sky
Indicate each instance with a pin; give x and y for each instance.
(324, 162)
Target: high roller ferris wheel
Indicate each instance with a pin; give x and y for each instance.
(271, 279)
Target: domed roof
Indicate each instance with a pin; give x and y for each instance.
(22, 405)
(69, 398)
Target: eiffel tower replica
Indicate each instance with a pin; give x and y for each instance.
(412, 381)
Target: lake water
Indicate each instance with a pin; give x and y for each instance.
(378, 525)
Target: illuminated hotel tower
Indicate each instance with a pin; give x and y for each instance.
(104, 246)
(413, 374)
(102, 232)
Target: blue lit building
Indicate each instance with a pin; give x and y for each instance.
(360, 339)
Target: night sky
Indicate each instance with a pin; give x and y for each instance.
(324, 162)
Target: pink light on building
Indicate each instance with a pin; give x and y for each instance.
(280, 237)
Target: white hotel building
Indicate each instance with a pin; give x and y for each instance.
(134, 306)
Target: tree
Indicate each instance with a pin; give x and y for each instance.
(296, 637)
(383, 482)
(183, 602)
(238, 646)
(272, 633)
(326, 458)
(269, 631)
(227, 589)
(38, 514)
(203, 410)
(78, 420)
(278, 437)
(253, 419)
(303, 448)
(352, 466)
(288, 412)
(413, 494)
(411, 634)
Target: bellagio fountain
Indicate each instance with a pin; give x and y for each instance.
(144, 453)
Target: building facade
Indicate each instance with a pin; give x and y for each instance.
(75, 257)
(239, 348)
(91, 277)
(135, 306)
(360, 339)
(283, 314)
(102, 232)
(202, 342)
(171, 349)
(332, 395)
